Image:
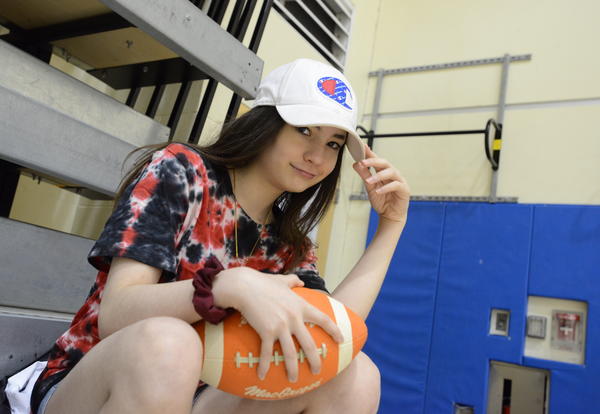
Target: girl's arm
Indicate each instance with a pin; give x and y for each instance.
(268, 303)
(389, 195)
(132, 294)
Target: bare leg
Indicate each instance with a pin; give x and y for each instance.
(152, 366)
(355, 391)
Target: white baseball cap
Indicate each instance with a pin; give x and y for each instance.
(310, 93)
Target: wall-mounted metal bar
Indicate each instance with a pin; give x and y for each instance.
(451, 65)
(363, 196)
(471, 199)
(492, 154)
(500, 116)
(424, 134)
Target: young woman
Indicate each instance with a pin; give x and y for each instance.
(242, 207)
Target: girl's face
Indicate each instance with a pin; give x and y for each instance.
(301, 157)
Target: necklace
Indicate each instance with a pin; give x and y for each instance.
(235, 218)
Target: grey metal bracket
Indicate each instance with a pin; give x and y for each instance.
(189, 32)
(471, 199)
(451, 65)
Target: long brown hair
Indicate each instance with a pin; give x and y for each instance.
(240, 142)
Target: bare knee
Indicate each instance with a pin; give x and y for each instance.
(365, 388)
(170, 344)
(151, 366)
(166, 363)
(370, 382)
(354, 390)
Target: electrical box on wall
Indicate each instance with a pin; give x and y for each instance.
(566, 320)
(567, 331)
(499, 322)
(536, 326)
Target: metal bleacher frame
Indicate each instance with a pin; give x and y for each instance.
(64, 129)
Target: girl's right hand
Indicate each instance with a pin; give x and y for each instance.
(276, 313)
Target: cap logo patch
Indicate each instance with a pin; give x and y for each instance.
(335, 89)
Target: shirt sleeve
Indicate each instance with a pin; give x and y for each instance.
(307, 271)
(149, 215)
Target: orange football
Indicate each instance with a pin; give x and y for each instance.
(232, 350)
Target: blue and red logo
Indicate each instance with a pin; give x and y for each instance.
(335, 89)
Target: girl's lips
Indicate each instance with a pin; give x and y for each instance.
(303, 173)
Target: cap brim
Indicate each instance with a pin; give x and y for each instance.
(306, 115)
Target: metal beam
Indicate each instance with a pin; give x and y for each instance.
(36, 136)
(190, 33)
(81, 27)
(159, 72)
(43, 269)
(451, 65)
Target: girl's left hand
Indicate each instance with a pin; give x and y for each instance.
(388, 191)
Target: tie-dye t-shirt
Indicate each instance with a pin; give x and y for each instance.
(174, 216)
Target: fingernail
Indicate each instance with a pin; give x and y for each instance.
(293, 379)
(370, 180)
(261, 376)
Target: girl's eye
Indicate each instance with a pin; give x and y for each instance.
(304, 130)
(334, 145)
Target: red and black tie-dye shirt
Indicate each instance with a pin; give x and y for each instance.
(174, 216)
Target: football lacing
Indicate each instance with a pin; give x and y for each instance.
(276, 358)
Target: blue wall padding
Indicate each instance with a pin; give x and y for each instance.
(483, 265)
(565, 263)
(400, 322)
(428, 331)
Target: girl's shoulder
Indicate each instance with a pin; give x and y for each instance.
(194, 160)
(186, 154)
